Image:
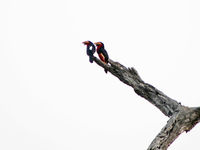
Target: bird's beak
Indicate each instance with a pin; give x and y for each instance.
(85, 42)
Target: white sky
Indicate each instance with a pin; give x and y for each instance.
(52, 98)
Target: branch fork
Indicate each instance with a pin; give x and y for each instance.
(181, 118)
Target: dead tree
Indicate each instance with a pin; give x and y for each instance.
(181, 118)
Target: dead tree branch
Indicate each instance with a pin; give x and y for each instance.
(182, 118)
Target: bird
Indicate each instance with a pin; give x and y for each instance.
(90, 50)
(103, 55)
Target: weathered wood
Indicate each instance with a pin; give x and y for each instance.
(182, 118)
(130, 77)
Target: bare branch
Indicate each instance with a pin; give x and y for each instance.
(182, 118)
(130, 77)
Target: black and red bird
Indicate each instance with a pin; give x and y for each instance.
(103, 55)
(90, 50)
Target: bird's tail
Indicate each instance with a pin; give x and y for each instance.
(91, 59)
(105, 70)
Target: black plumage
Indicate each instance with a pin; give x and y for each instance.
(103, 55)
(90, 49)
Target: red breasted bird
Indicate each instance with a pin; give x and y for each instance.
(90, 50)
(103, 55)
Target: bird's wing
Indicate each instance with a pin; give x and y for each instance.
(105, 55)
(102, 57)
(93, 49)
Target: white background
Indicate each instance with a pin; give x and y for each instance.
(52, 98)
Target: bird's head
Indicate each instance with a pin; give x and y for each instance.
(87, 42)
(99, 44)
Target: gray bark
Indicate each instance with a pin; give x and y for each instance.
(182, 118)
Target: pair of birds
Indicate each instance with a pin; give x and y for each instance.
(102, 53)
